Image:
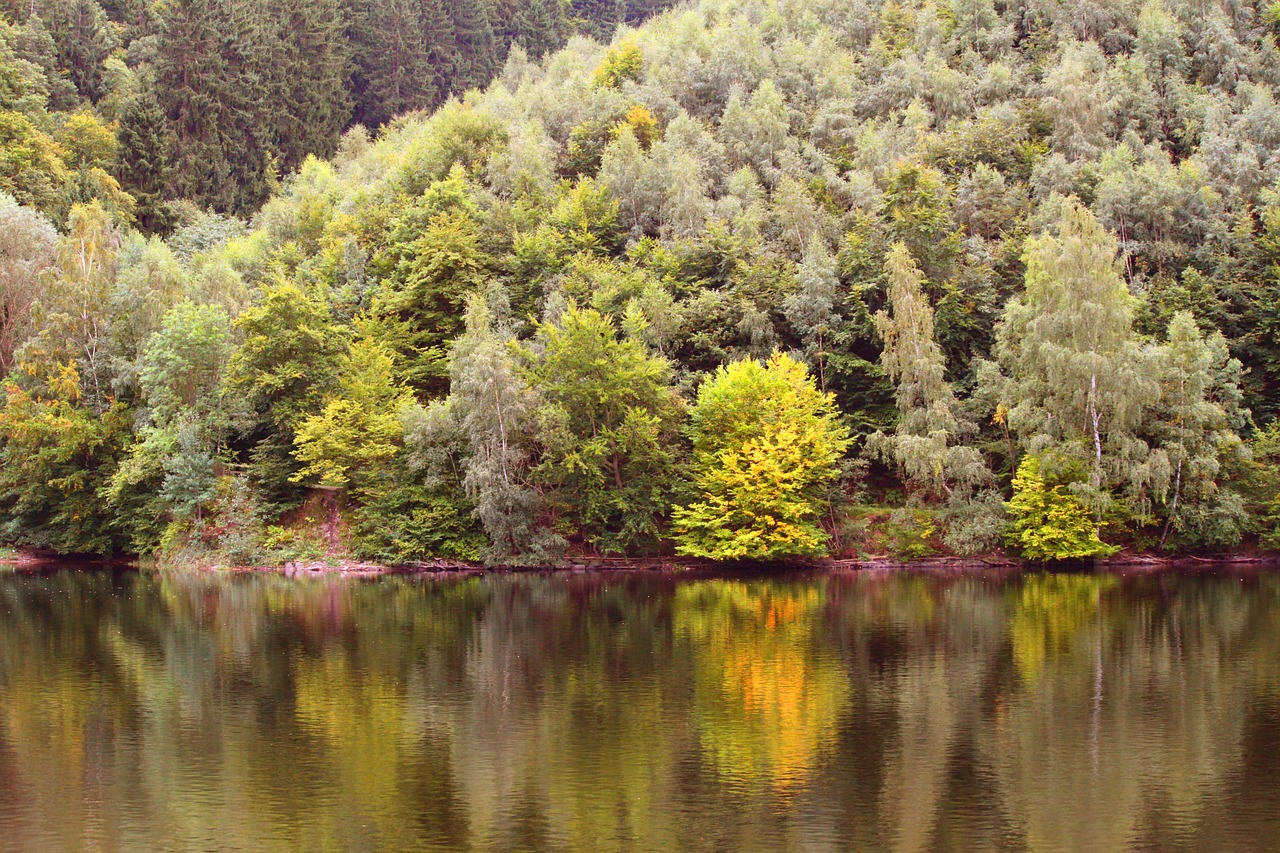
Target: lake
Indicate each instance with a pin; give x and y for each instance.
(858, 711)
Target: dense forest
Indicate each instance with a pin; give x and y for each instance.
(748, 280)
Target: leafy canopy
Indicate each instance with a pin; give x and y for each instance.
(766, 444)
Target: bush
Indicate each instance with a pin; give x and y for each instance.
(976, 525)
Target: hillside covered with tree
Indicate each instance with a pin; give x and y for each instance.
(160, 108)
(754, 279)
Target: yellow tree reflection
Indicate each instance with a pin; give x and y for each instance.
(767, 702)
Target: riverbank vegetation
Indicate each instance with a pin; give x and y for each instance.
(751, 279)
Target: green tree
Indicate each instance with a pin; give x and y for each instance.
(31, 169)
(144, 169)
(73, 311)
(433, 267)
(358, 431)
(283, 370)
(928, 445)
(27, 258)
(182, 368)
(1048, 521)
(766, 445)
(288, 358)
(56, 456)
(211, 88)
(490, 417)
(1194, 431)
(622, 62)
(609, 421)
(308, 80)
(1078, 380)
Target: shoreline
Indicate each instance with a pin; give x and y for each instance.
(996, 562)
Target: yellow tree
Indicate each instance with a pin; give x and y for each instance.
(766, 444)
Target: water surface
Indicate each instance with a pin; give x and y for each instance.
(892, 711)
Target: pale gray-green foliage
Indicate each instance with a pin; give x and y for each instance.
(756, 130)
(926, 446)
(628, 172)
(181, 368)
(1078, 101)
(494, 409)
(684, 162)
(149, 282)
(1079, 381)
(28, 245)
(1194, 429)
(1109, 21)
(1160, 211)
(797, 219)
(526, 165)
(189, 480)
(811, 310)
(977, 25)
(974, 524)
(204, 232)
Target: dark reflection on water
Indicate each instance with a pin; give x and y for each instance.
(598, 712)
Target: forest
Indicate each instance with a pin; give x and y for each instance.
(525, 280)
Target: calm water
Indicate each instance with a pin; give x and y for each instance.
(599, 712)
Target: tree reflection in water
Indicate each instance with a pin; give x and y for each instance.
(893, 711)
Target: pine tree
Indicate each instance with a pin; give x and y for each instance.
(309, 76)
(143, 167)
(598, 18)
(189, 64)
(84, 40)
(475, 43)
(539, 26)
(394, 72)
(35, 45)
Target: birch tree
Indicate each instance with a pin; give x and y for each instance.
(1079, 382)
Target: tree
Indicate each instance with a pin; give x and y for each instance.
(84, 39)
(609, 422)
(27, 246)
(143, 167)
(812, 309)
(1193, 426)
(433, 267)
(288, 358)
(358, 430)
(281, 373)
(1079, 381)
(211, 89)
(182, 368)
(394, 49)
(73, 311)
(308, 80)
(56, 455)
(34, 44)
(30, 168)
(766, 444)
(926, 446)
(620, 63)
(493, 410)
(476, 55)
(1049, 522)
